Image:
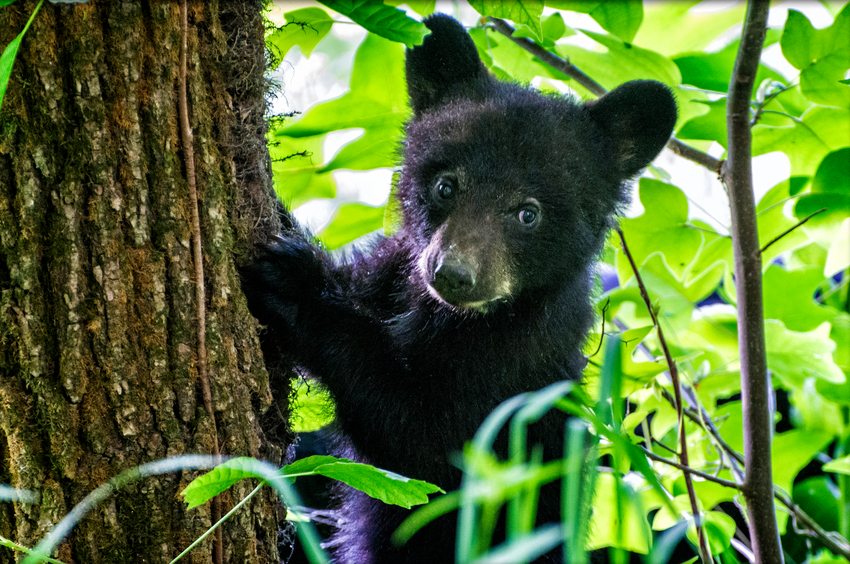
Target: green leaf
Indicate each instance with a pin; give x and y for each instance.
(794, 356)
(789, 297)
(710, 126)
(635, 374)
(839, 253)
(798, 41)
(553, 28)
(526, 547)
(421, 7)
(805, 140)
(376, 103)
(393, 213)
(821, 81)
(716, 335)
(819, 498)
(384, 485)
(307, 466)
(668, 296)
(716, 250)
(304, 27)
(617, 518)
(7, 59)
(830, 190)
(205, 487)
(772, 221)
(663, 227)
(350, 222)
(672, 27)
(833, 174)
(386, 21)
(622, 18)
(296, 166)
(814, 411)
(510, 58)
(802, 44)
(526, 12)
(719, 529)
(666, 517)
(839, 466)
(822, 56)
(711, 71)
(621, 62)
(791, 452)
(314, 407)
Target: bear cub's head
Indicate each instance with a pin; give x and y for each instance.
(508, 192)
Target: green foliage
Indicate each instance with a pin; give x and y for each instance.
(313, 407)
(382, 20)
(304, 27)
(527, 12)
(822, 56)
(622, 19)
(387, 486)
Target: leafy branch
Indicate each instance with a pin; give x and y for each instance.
(834, 542)
(564, 66)
(698, 415)
(790, 229)
(705, 552)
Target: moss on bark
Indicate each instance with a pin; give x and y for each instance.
(97, 312)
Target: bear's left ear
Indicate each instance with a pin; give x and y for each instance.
(638, 117)
(445, 66)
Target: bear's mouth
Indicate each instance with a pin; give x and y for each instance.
(479, 306)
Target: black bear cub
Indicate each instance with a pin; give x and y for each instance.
(483, 292)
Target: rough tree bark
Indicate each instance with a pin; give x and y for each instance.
(97, 314)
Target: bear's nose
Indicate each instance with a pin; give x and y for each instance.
(454, 277)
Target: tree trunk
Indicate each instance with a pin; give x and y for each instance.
(98, 331)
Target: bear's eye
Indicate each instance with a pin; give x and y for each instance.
(528, 215)
(445, 188)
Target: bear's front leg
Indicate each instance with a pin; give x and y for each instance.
(288, 275)
(294, 288)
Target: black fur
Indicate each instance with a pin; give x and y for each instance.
(483, 293)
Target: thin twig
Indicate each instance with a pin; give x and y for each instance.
(686, 151)
(554, 61)
(198, 259)
(836, 543)
(689, 470)
(601, 333)
(833, 542)
(567, 68)
(705, 552)
(830, 539)
(790, 229)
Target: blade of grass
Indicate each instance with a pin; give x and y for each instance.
(7, 59)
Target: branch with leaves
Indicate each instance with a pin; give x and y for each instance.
(705, 552)
(567, 68)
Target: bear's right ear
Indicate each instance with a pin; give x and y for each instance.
(445, 65)
(638, 117)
